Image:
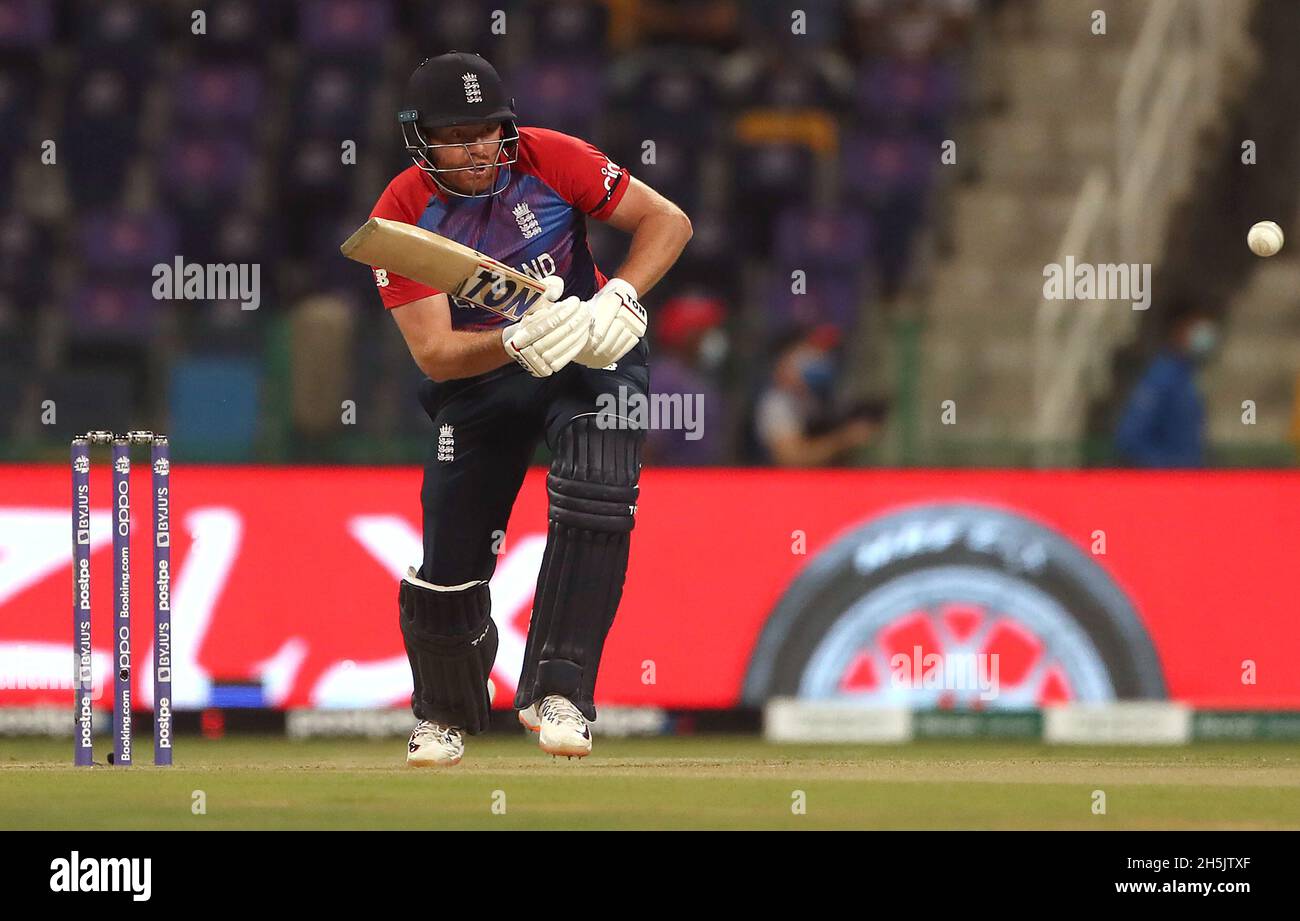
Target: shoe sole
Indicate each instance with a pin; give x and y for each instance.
(574, 753)
(432, 764)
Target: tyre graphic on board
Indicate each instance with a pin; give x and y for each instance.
(951, 579)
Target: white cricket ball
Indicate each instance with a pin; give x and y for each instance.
(1265, 238)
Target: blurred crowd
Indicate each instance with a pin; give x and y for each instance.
(803, 150)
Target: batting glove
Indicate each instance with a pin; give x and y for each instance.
(550, 334)
(617, 324)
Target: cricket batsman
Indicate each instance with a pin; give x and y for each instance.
(494, 388)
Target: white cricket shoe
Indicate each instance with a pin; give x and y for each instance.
(529, 718)
(434, 745)
(563, 730)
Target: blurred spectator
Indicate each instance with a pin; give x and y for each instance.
(795, 423)
(321, 335)
(1163, 422)
(690, 348)
(908, 28)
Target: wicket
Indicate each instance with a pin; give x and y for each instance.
(83, 674)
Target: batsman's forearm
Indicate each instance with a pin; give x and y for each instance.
(461, 353)
(656, 243)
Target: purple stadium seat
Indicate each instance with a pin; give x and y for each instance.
(117, 31)
(335, 99)
(313, 174)
(242, 29)
(218, 94)
(106, 311)
(122, 243)
(564, 95)
(335, 273)
(915, 92)
(710, 259)
(569, 27)
(839, 238)
(675, 172)
(831, 297)
(100, 136)
(203, 171)
(18, 93)
(668, 92)
(876, 167)
(890, 174)
(459, 24)
(767, 179)
(345, 27)
(24, 259)
(7, 157)
(25, 25)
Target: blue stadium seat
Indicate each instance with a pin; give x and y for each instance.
(214, 407)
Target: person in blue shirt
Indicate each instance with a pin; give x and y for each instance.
(1163, 422)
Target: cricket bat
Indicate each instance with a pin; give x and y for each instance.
(438, 262)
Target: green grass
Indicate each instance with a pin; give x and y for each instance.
(692, 782)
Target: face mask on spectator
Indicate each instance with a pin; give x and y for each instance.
(1202, 340)
(712, 350)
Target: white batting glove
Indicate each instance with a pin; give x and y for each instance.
(549, 335)
(617, 324)
(554, 287)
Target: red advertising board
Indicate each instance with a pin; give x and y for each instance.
(743, 583)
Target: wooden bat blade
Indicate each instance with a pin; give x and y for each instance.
(434, 260)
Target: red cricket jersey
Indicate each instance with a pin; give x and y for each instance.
(537, 224)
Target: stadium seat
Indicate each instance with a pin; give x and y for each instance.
(214, 407)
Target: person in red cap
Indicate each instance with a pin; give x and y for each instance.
(495, 388)
(691, 346)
